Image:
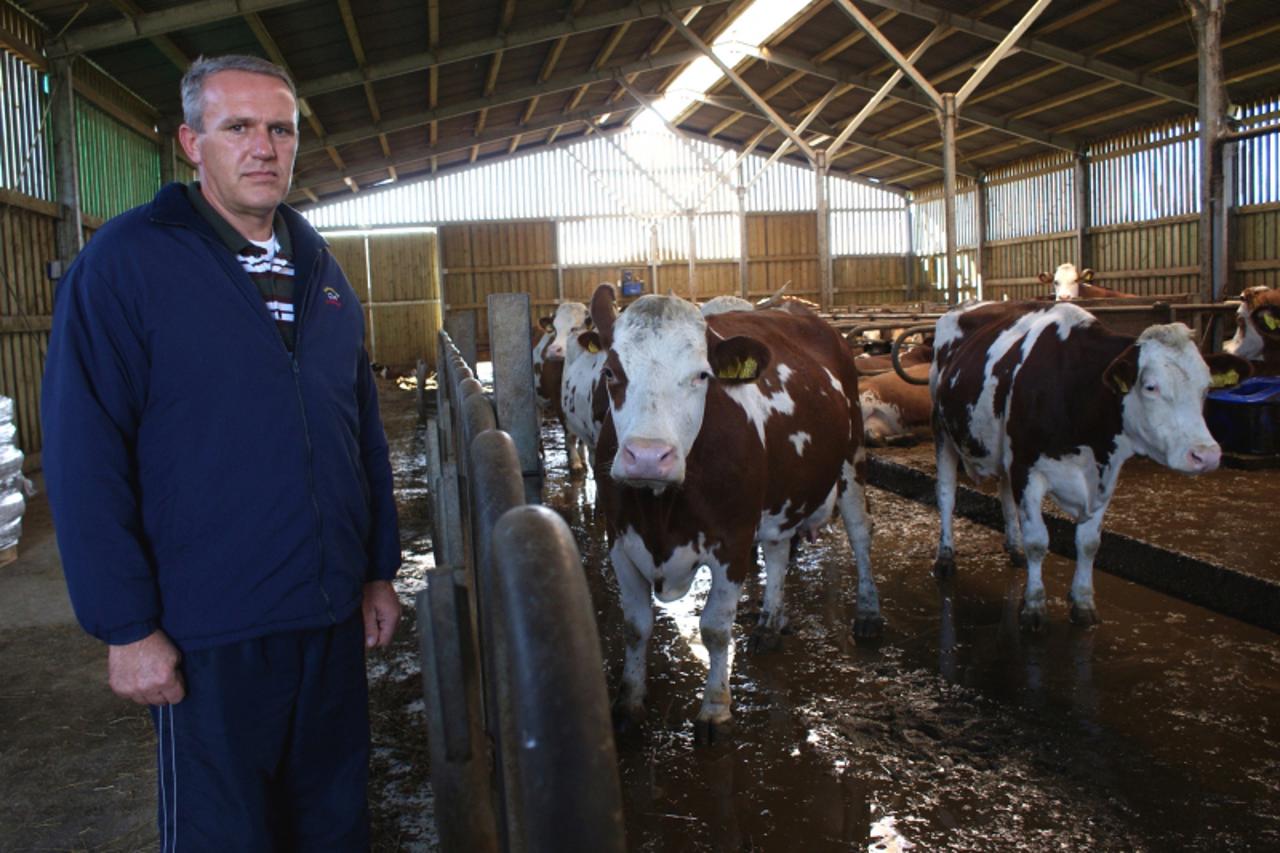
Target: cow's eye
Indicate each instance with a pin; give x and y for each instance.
(704, 376)
(608, 375)
(1150, 388)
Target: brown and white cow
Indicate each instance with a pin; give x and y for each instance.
(1050, 402)
(1068, 283)
(895, 411)
(723, 432)
(1257, 338)
(569, 321)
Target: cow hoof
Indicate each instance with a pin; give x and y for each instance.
(867, 628)
(1017, 559)
(945, 566)
(764, 639)
(626, 717)
(1082, 615)
(1031, 620)
(710, 732)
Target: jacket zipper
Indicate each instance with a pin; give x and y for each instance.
(306, 432)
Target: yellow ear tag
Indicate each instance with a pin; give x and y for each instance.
(1272, 322)
(1224, 380)
(747, 368)
(1122, 385)
(592, 348)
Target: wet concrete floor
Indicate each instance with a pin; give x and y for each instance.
(1156, 730)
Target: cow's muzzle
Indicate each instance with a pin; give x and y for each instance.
(648, 462)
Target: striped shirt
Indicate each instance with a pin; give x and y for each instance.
(268, 263)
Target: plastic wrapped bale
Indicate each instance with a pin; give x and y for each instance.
(14, 488)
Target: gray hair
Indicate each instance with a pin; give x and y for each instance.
(202, 69)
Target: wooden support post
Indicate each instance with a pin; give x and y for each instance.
(654, 259)
(979, 261)
(951, 277)
(693, 259)
(1080, 181)
(69, 234)
(744, 274)
(1207, 16)
(823, 214)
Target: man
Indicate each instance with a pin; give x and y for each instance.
(220, 482)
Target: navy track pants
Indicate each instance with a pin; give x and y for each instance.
(269, 751)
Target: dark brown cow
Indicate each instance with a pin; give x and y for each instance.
(723, 432)
(1047, 400)
(1257, 338)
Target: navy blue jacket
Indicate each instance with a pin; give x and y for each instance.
(203, 479)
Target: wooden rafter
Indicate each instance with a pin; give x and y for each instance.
(495, 63)
(357, 48)
(273, 50)
(163, 43)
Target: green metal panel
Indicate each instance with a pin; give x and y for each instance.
(119, 168)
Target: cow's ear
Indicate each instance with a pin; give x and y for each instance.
(1226, 370)
(738, 359)
(1045, 278)
(590, 341)
(1122, 373)
(1086, 275)
(603, 313)
(1266, 319)
(548, 324)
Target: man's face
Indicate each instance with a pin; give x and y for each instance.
(245, 151)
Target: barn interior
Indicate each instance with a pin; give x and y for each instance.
(882, 159)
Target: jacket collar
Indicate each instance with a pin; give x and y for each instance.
(172, 207)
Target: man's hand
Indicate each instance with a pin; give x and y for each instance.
(146, 671)
(381, 609)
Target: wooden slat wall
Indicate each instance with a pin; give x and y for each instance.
(1153, 258)
(482, 258)
(1256, 247)
(928, 274)
(870, 280)
(1010, 267)
(404, 313)
(783, 247)
(26, 312)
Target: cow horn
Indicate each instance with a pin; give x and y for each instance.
(895, 352)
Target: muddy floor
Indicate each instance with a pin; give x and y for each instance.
(1155, 731)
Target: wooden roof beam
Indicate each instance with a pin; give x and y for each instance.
(635, 11)
(132, 11)
(433, 73)
(1038, 47)
(152, 24)
(500, 98)
(273, 51)
(357, 48)
(449, 146)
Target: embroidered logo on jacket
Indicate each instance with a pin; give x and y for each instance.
(332, 298)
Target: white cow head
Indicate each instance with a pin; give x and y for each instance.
(1066, 281)
(1257, 323)
(571, 319)
(661, 361)
(1163, 380)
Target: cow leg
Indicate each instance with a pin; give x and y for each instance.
(944, 564)
(716, 626)
(637, 611)
(571, 443)
(868, 624)
(1035, 542)
(1088, 537)
(767, 635)
(1012, 535)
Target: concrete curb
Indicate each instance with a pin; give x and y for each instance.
(1228, 591)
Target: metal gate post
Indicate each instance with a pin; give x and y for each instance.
(511, 349)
